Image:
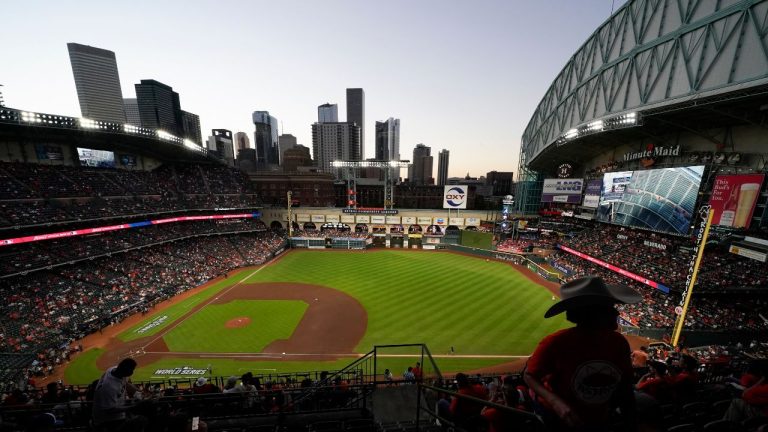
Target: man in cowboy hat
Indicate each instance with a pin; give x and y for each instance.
(581, 374)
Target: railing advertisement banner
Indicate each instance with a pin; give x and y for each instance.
(733, 199)
(562, 190)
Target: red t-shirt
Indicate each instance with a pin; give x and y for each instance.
(585, 368)
(466, 408)
(757, 396)
(748, 380)
(656, 387)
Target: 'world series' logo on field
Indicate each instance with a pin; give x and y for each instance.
(455, 197)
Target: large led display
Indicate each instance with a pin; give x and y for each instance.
(659, 199)
(96, 158)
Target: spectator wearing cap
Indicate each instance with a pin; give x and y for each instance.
(462, 411)
(581, 374)
(231, 386)
(656, 383)
(202, 386)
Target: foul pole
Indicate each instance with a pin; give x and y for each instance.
(705, 220)
(290, 216)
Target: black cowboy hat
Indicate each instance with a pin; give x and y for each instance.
(591, 290)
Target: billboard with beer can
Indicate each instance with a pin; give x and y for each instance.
(455, 197)
(562, 190)
(733, 199)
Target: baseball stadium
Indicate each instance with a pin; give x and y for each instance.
(251, 301)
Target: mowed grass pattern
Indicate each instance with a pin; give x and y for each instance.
(438, 298)
(206, 330)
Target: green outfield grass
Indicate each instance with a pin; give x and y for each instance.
(438, 298)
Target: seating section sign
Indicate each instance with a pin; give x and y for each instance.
(733, 199)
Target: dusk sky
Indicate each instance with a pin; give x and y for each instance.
(464, 76)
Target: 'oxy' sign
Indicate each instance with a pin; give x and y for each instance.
(455, 197)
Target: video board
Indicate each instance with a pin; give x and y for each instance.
(96, 158)
(659, 199)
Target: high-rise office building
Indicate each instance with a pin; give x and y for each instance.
(132, 111)
(159, 107)
(422, 166)
(501, 181)
(295, 157)
(356, 115)
(328, 113)
(286, 142)
(191, 127)
(265, 139)
(221, 139)
(442, 167)
(334, 141)
(242, 141)
(97, 83)
(388, 143)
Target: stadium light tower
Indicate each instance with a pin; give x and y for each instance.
(2, 103)
(384, 164)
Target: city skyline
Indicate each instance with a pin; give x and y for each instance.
(490, 64)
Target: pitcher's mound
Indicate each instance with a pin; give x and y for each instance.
(238, 322)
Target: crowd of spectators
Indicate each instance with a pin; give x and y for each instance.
(41, 194)
(665, 259)
(330, 233)
(707, 311)
(45, 311)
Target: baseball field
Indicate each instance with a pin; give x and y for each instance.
(319, 310)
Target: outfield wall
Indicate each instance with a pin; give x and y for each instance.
(506, 256)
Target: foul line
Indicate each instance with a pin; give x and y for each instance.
(213, 298)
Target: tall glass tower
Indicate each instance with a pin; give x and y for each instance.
(97, 83)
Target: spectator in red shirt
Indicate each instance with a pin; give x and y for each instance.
(581, 374)
(685, 383)
(417, 372)
(464, 412)
(753, 402)
(656, 382)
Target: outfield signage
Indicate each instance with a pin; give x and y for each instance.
(562, 190)
(347, 219)
(363, 219)
(749, 253)
(370, 210)
(455, 197)
(473, 221)
(103, 229)
(393, 220)
(733, 199)
(613, 268)
(592, 193)
(378, 219)
(152, 324)
(303, 218)
(425, 220)
(409, 220)
(183, 371)
(332, 218)
(318, 218)
(456, 221)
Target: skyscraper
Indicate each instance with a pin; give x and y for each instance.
(422, 165)
(328, 113)
(159, 107)
(334, 141)
(191, 127)
(265, 139)
(242, 141)
(132, 111)
(442, 167)
(97, 83)
(286, 142)
(356, 115)
(501, 181)
(221, 139)
(388, 139)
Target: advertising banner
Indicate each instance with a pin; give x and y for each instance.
(456, 221)
(592, 193)
(473, 221)
(562, 190)
(424, 220)
(303, 218)
(363, 219)
(733, 199)
(455, 197)
(409, 220)
(441, 221)
(332, 218)
(347, 219)
(318, 218)
(393, 220)
(378, 219)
